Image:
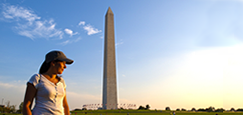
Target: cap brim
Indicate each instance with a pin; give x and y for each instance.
(68, 61)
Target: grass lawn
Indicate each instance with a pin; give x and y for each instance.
(145, 112)
(140, 112)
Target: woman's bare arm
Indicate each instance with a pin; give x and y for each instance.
(28, 99)
(65, 105)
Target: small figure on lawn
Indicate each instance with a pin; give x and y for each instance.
(174, 113)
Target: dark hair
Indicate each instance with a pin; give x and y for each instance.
(45, 66)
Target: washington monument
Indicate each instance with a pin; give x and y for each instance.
(109, 75)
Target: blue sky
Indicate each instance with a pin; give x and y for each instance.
(176, 53)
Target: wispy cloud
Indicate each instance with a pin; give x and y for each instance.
(15, 12)
(70, 41)
(81, 23)
(17, 85)
(70, 32)
(119, 43)
(29, 24)
(90, 29)
(40, 29)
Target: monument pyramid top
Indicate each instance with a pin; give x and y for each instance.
(109, 11)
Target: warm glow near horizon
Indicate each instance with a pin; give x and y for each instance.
(205, 78)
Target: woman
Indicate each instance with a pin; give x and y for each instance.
(48, 89)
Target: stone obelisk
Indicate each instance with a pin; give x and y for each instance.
(109, 77)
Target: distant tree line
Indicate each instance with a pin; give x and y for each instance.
(240, 109)
(209, 109)
(144, 108)
(11, 108)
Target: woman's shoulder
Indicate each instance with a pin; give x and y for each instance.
(35, 76)
(34, 79)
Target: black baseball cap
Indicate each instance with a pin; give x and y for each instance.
(57, 55)
(53, 56)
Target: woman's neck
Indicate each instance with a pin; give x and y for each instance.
(50, 75)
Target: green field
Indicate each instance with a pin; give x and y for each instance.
(146, 112)
(141, 112)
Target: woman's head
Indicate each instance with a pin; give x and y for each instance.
(58, 66)
(55, 58)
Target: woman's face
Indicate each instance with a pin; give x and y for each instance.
(60, 66)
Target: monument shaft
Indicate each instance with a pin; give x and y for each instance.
(109, 77)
